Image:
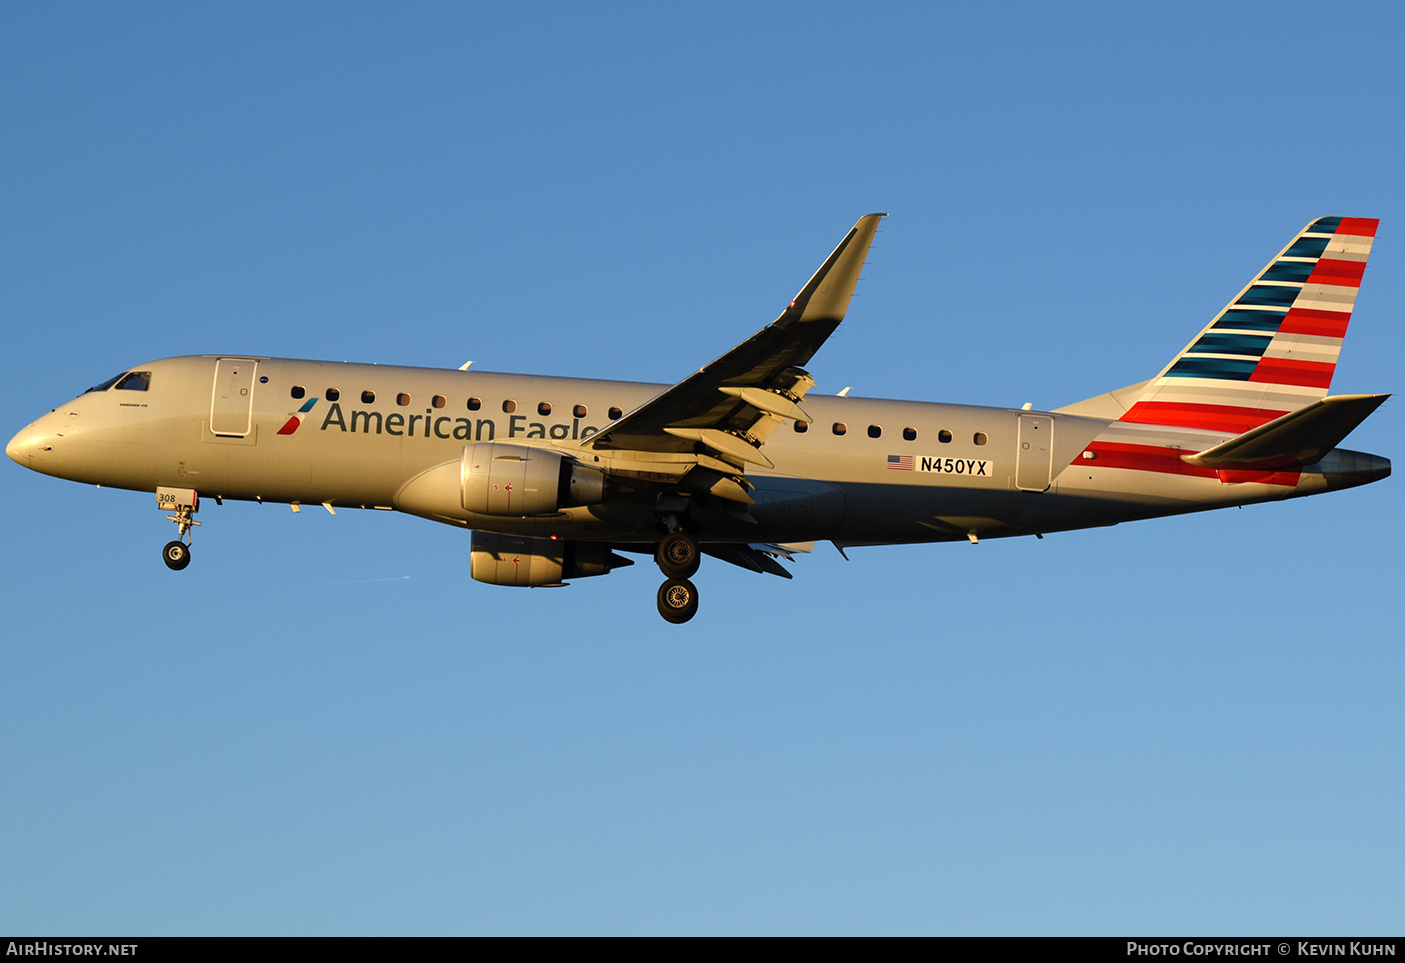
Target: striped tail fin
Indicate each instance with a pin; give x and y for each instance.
(1273, 349)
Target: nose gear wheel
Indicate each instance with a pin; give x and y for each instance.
(176, 555)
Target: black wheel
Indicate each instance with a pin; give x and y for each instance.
(678, 555)
(678, 600)
(176, 555)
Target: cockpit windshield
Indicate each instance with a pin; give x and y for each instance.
(108, 383)
(125, 381)
(135, 381)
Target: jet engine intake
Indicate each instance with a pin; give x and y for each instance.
(515, 480)
(513, 560)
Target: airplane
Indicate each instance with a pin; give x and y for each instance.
(740, 461)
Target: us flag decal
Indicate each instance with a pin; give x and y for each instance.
(900, 462)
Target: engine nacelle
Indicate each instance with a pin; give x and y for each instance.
(512, 560)
(515, 480)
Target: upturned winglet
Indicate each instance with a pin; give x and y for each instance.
(826, 295)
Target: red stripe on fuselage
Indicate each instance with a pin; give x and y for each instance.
(1288, 478)
(1282, 371)
(1184, 414)
(1157, 458)
(1167, 461)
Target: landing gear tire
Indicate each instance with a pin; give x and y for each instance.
(176, 555)
(678, 555)
(678, 600)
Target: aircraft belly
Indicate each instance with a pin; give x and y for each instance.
(114, 464)
(924, 513)
(794, 509)
(365, 469)
(1126, 495)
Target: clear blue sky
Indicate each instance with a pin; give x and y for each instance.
(1191, 725)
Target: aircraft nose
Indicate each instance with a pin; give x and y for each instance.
(23, 447)
(18, 448)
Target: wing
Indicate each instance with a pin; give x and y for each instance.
(704, 430)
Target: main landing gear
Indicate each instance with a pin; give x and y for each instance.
(678, 557)
(678, 554)
(678, 600)
(184, 502)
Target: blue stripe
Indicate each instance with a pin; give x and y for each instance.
(1289, 271)
(308, 406)
(1326, 225)
(1251, 320)
(1245, 344)
(1228, 368)
(1276, 297)
(1307, 247)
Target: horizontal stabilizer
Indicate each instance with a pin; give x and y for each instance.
(1298, 438)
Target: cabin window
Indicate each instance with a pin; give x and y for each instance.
(579, 411)
(299, 391)
(874, 431)
(402, 399)
(475, 403)
(509, 407)
(840, 428)
(980, 438)
(135, 381)
(544, 408)
(801, 427)
(944, 437)
(368, 397)
(333, 394)
(439, 401)
(616, 414)
(909, 434)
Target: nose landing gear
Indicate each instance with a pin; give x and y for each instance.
(184, 502)
(176, 555)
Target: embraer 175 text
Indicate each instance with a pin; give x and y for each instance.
(555, 476)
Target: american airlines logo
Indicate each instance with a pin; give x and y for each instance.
(295, 418)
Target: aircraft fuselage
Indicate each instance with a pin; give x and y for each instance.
(900, 471)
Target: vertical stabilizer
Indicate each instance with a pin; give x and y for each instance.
(1273, 349)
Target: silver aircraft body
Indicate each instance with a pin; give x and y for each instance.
(740, 461)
